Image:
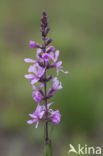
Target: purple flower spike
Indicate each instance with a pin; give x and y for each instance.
(33, 44)
(46, 58)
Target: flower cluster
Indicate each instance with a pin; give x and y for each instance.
(46, 58)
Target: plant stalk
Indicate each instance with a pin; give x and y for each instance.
(48, 145)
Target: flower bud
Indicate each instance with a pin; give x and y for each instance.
(49, 41)
(44, 13)
(33, 44)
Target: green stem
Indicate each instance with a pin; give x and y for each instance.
(48, 149)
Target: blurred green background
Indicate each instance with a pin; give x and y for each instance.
(77, 30)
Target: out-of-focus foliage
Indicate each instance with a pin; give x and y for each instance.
(77, 30)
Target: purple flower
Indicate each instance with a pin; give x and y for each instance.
(46, 57)
(37, 94)
(37, 70)
(55, 117)
(51, 92)
(38, 54)
(36, 116)
(59, 68)
(55, 56)
(50, 49)
(56, 84)
(48, 109)
(33, 44)
(57, 64)
(33, 79)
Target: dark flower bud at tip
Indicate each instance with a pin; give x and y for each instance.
(44, 21)
(44, 13)
(47, 30)
(49, 41)
(43, 34)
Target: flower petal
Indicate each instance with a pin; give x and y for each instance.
(30, 122)
(34, 87)
(65, 72)
(52, 56)
(32, 69)
(28, 60)
(58, 64)
(41, 114)
(55, 117)
(49, 104)
(57, 71)
(42, 85)
(29, 76)
(32, 115)
(38, 53)
(56, 84)
(34, 80)
(50, 48)
(40, 71)
(36, 126)
(56, 55)
(60, 86)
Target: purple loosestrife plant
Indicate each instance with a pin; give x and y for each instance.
(46, 58)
